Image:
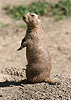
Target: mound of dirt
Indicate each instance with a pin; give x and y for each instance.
(39, 91)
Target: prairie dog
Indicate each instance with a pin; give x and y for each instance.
(38, 57)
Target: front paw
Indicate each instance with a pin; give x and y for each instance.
(19, 49)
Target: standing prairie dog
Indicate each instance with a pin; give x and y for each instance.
(39, 60)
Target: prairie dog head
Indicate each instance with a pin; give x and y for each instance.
(32, 19)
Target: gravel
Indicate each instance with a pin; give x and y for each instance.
(38, 91)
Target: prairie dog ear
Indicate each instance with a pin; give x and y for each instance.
(38, 17)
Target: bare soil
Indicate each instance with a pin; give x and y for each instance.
(12, 63)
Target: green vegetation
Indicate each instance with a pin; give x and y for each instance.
(60, 10)
(17, 12)
(22, 26)
(3, 25)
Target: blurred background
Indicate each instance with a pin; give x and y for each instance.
(56, 23)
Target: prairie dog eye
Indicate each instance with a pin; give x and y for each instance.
(32, 15)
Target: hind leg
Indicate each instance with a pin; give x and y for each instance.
(52, 82)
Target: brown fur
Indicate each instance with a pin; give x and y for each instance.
(39, 60)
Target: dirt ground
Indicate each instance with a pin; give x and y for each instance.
(12, 63)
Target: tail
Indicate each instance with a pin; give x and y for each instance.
(20, 48)
(52, 82)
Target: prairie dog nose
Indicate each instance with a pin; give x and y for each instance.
(24, 17)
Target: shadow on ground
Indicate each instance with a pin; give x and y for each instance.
(8, 83)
